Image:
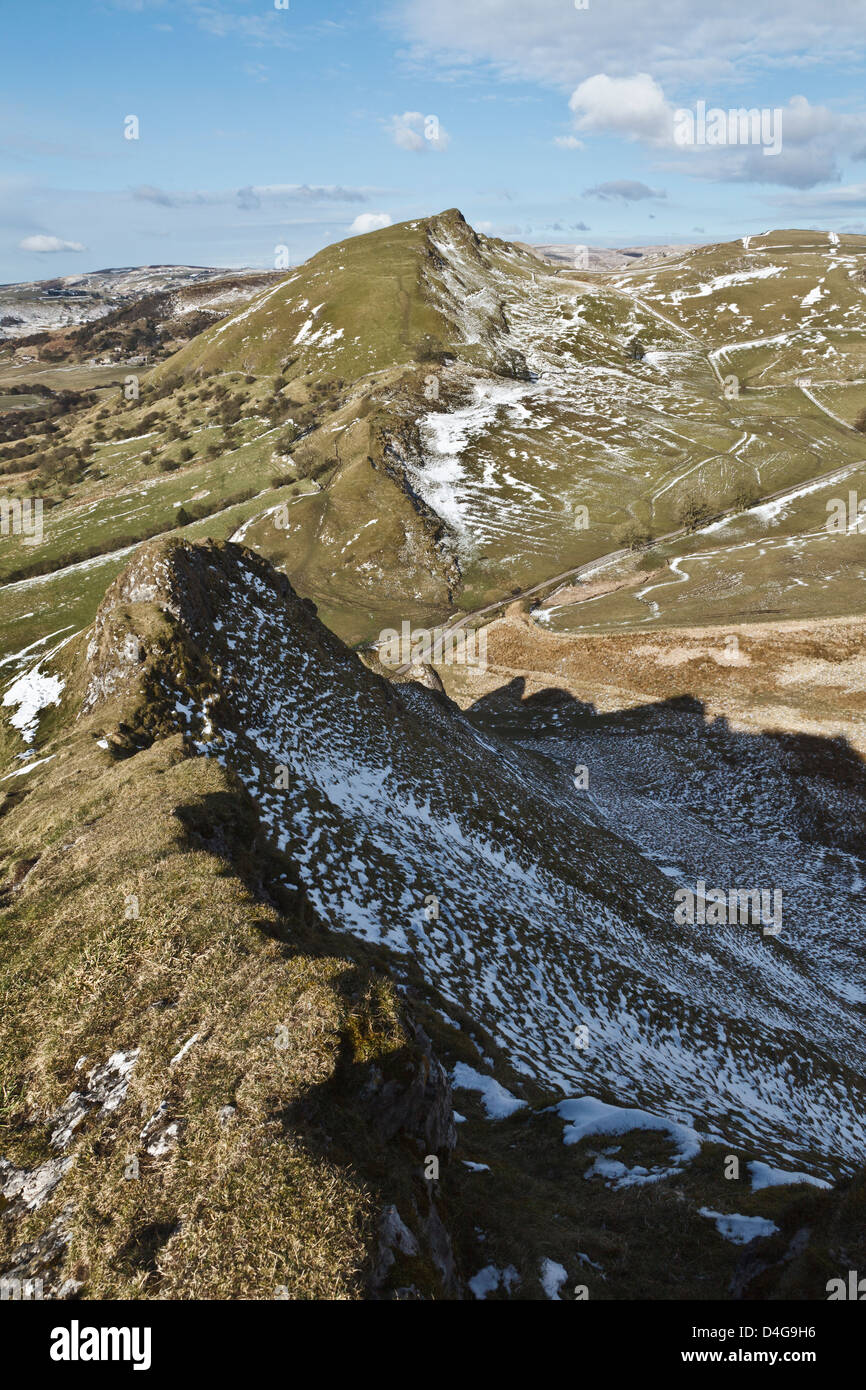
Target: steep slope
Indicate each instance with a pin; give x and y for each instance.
(204, 1094)
(365, 305)
(232, 854)
(545, 919)
(327, 437)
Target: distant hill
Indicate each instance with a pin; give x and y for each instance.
(52, 307)
(579, 255)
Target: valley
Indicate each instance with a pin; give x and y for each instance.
(450, 884)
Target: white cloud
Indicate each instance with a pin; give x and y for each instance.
(631, 106)
(812, 140)
(49, 243)
(416, 132)
(679, 42)
(852, 195)
(729, 56)
(370, 222)
(568, 142)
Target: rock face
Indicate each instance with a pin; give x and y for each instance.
(421, 1109)
(420, 1105)
(105, 1089)
(36, 1263)
(29, 1189)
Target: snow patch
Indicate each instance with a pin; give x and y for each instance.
(31, 694)
(553, 1276)
(498, 1102)
(765, 1176)
(740, 1229)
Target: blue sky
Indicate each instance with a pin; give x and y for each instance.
(262, 126)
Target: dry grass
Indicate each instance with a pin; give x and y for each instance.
(236, 1209)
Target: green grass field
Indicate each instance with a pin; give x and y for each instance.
(468, 422)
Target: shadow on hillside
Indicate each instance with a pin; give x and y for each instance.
(825, 778)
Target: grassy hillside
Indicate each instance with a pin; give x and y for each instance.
(356, 308)
(224, 422)
(198, 1080)
(422, 420)
(212, 1089)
